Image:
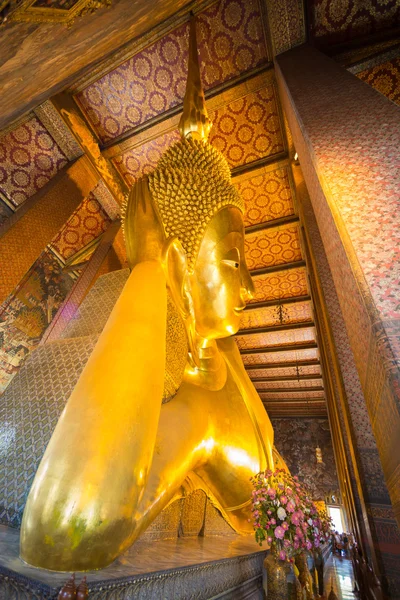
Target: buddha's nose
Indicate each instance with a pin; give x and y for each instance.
(247, 289)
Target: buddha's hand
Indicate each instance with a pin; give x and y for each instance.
(144, 233)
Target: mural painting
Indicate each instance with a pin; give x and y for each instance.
(26, 314)
(296, 439)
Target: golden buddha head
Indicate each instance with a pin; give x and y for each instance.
(188, 214)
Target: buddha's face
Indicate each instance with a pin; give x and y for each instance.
(221, 283)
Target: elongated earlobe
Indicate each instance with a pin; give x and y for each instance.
(178, 282)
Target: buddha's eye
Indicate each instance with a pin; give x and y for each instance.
(231, 263)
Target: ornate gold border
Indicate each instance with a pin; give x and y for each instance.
(26, 11)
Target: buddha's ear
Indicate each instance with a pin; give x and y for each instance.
(178, 280)
(144, 233)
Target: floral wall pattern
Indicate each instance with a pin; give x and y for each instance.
(296, 440)
(231, 42)
(384, 78)
(29, 158)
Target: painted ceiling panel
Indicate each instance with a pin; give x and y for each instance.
(290, 385)
(144, 158)
(336, 21)
(267, 195)
(282, 284)
(291, 409)
(263, 317)
(85, 224)
(272, 247)
(385, 78)
(284, 372)
(275, 338)
(291, 394)
(248, 129)
(267, 358)
(29, 158)
(231, 42)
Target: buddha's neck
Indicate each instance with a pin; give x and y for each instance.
(206, 366)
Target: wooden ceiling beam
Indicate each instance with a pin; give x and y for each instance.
(283, 348)
(282, 365)
(275, 268)
(283, 327)
(257, 164)
(306, 403)
(272, 224)
(275, 302)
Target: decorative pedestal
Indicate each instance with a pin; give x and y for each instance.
(229, 567)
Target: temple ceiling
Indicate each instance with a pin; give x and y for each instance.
(131, 103)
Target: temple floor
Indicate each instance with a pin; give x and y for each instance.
(339, 576)
(141, 558)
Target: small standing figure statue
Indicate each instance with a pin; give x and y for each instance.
(68, 591)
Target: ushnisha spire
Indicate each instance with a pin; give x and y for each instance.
(194, 122)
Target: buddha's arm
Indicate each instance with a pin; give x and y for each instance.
(257, 412)
(79, 512)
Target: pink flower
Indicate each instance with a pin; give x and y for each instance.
(273, 522)
(269, 539)
(285, 526)
(316, 542)
(296, 518)
(269, 512)
(290, 506)
(271, 492)
(286, 543)
(268, 473)
(308, 545)
(279, 532)
(283, 499)
(282, 555)
(295, 478)
(296, 544)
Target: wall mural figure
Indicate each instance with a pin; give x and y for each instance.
(164, 405)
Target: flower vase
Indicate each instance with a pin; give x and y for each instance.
(319, 567)
(313, 573)
(304, 575)
(279, 582)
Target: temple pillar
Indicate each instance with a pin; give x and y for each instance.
(347, 138)
(26, 233)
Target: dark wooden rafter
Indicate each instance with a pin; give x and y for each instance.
(289, 219)
(290, 390)
(283, 327)
(283, 365)
(257, 164)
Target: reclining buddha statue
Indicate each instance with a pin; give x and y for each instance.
(164, 404)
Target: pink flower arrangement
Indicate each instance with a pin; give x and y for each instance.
(285, 516)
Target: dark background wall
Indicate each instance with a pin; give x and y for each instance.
(296, 440)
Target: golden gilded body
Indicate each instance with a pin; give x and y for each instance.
(164, 404)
